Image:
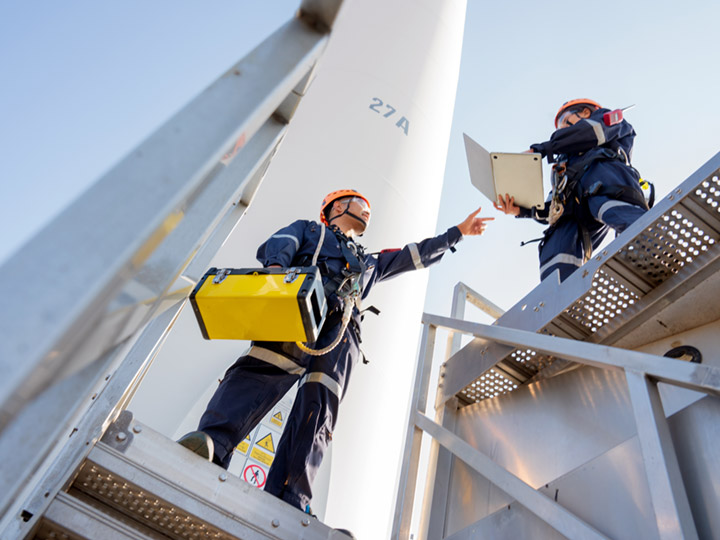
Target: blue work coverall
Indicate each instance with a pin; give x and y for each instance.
(606, 194)
(260, 378)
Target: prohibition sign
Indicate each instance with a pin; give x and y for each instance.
(254, 475)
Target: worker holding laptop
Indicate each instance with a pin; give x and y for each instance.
(594, 186)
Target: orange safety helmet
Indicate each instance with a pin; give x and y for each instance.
(574, 103)
(334, 196)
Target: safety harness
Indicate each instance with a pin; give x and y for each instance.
(347, 285)
(567, 197)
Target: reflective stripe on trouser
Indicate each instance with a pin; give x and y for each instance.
(562, 250)
(311, 423)
(613, 205)
(250, 388)
(618, 215)
(323, 379)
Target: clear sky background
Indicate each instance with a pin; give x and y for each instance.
(84, 82)
(522, 60)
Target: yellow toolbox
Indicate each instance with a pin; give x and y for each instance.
(260, 304)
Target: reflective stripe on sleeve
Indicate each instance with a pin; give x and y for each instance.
(608, 205)
(297, 242)
(561, 258)
(598, 129)
(276, 359)
(415, 254)
(321, 378)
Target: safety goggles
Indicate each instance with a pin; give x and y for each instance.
(364, 206)
(565, 116)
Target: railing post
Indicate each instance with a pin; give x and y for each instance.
(434, 509)
(667, 491)
(404, 501)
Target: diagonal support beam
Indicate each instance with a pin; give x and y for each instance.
(669, 499)
(687, 375)
(103, 239)
(565, 522)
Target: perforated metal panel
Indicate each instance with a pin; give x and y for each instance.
(145, 507)
(49, 532)
(491, 384)
(678, 237)
(688, 229)
(606, 299)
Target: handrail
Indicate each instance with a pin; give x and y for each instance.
(463, 294)
(687, 375)
(643, 371)
(93, 279)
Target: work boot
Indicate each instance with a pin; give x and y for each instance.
(200, 443)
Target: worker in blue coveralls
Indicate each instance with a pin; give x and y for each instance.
(595, 188)
(260, 378)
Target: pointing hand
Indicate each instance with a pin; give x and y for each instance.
(473, 226)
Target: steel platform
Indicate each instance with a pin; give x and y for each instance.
(137, 484)
(654, 280)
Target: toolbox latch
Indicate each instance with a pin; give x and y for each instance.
(291, 275)
(221, 275)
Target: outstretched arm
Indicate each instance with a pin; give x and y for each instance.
(417, 256)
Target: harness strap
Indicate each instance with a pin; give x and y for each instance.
(579, 167)
(319, 246)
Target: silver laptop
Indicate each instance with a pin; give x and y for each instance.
(494, 173)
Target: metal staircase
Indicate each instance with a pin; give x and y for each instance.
(116, 268)
(564, 419)
(137, 484)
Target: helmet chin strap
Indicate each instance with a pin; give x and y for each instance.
(347, 211)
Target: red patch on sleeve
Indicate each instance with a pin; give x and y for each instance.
(390, 250)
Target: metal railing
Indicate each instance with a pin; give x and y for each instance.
(670, 256)
(670, 251)
(642, 372)
(108, 277)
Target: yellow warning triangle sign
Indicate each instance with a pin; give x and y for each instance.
(278, 415)
(267, 443)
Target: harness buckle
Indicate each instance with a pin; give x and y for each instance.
(556, 211)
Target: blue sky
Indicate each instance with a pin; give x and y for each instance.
(84, 82)
(522, 60)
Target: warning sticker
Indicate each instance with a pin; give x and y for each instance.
(262, 457)
(267, 443)
(244, 445)
(255, 475)
(277, 418)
